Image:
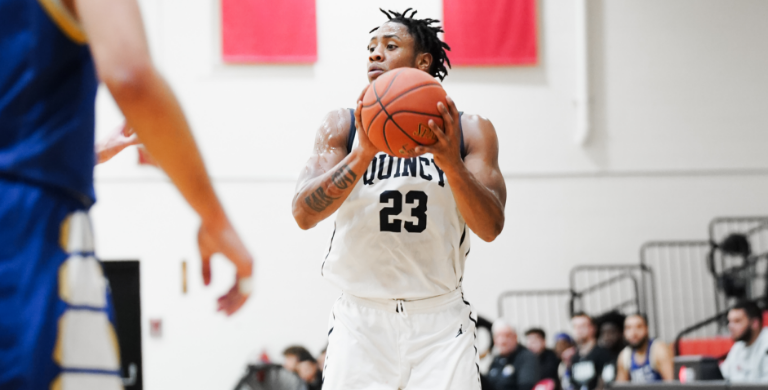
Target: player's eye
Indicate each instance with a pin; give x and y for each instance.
(370, 49)
(391, 47)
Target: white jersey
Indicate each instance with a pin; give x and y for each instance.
(399, 234)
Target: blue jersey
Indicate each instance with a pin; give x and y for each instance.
(47, 94)
(643, 373)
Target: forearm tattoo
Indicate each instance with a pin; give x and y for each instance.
(343, 178)
(319, 200)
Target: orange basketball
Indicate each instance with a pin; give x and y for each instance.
(397, 108)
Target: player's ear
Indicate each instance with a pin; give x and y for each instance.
(424, 61)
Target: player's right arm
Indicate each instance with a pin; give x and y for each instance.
(331, 172)
(119, 47)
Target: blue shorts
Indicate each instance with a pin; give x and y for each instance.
(56, 317)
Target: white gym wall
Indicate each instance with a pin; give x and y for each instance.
(679, 135)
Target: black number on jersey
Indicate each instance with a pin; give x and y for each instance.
(396, 226)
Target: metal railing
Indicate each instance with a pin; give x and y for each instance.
(683, 291)
(546, 309)
(599, 289)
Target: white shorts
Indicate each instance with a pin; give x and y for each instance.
(381, 344)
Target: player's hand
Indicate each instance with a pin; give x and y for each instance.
(122, 138)
(365, 143)
(220, 237)
(447, 149)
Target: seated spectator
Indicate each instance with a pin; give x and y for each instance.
(309, 371)
(586, 367)
(610, 336)
(535, 341)
(321, 358)
(293, 355)
(515, 367)
(564, 351)
(747, 361)
(644, 360)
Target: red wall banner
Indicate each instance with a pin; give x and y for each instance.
(269, 31)
(491, 32)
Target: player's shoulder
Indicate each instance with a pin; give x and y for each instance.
(339, 119)
(478, 131)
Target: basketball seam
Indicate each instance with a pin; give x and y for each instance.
(416, 112)
(378, 99)
(384, 129)
(385, 138)
(388, 87)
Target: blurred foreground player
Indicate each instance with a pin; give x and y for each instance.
(644, 360)
(56, 328)
(747, 361)
(401, 235)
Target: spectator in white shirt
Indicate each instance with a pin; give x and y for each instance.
(747, 361)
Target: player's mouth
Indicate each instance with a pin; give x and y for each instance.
(375, 71)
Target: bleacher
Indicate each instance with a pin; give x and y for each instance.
(684, 288)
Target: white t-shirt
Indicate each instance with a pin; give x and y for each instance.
(747, 364)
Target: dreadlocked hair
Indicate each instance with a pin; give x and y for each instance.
(425, 36)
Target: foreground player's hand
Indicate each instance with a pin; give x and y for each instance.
(122, 138)
(365, 143)
(447, 149)
(220, 237)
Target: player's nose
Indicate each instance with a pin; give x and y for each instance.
(376, 55)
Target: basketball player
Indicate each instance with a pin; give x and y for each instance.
(401, 234)
(644, 360)
(56, 328)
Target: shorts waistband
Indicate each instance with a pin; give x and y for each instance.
(410, 305)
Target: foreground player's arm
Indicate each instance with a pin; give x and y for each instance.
(120, 52)
(662, 355)
(331, 173)
(476, 182)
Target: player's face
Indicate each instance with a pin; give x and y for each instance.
(583, 330)
(635, 331)
(738, 325)
(390, 47)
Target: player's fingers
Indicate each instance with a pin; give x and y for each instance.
(452, 107)
(359, 115)
(436, 130)
(419, 150)
(447, 118)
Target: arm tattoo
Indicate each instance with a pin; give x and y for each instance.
(343, 178)
(319, 200)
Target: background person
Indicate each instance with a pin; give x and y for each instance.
(644, 360)
(535, 341)
(515, 367)
(586, 368)
(747, 361)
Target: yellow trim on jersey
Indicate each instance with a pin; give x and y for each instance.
(64, 19)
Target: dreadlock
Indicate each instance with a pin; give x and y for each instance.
(425, 36)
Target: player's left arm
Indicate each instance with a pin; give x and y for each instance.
(664, 358)
(477, 183)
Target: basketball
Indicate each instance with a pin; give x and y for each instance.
(397, 108)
